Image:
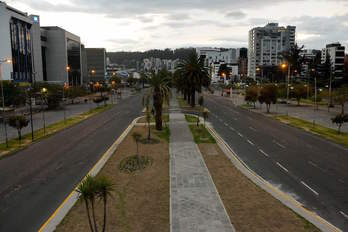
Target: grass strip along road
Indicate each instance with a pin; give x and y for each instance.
(37, 179)
(310, 168)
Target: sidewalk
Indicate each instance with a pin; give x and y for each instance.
(195, 204)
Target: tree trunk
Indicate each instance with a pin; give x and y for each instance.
(342, 109)
(104, 223)
(93, 215)
(268, 108)
(185, 95)
(89, 216)
(19, 136)
(148, 131)
(158, 108)
(193, 98)
(188, 98)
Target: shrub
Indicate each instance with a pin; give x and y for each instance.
(18, 122)
(268, 95)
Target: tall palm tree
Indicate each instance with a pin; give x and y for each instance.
(195, 74)
(160, 90)
(104, 189)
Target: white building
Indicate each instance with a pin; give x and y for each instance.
(156, 64)
(266, 45)
(20, 42)
(337, 53)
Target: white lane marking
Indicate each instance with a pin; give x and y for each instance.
(340, 180)
(220, 120)
(344, 215)
(264, 153)
(240, 135)
(280, 145)
(232, 128)
(252, 128)
(307, 186)
(235, 119)
(226, 124)
(251, 143)
(282, 167)
(249, 118)
(313, 164)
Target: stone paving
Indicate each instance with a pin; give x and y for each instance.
(195, 202)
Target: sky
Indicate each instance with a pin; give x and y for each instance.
(139, 25)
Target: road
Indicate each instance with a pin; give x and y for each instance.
(36, 180)
(309, 168)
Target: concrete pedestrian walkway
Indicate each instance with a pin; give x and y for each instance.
(195, 204)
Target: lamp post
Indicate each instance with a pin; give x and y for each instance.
(284, 65)
(29, 94)
(65, 86)
(315, 90)
(7, 61)
(43, 96)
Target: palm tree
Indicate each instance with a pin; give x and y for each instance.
(159, 91)
(196, 76)
(87, 191)
(104, 189)
(294, 58)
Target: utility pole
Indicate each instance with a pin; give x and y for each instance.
(3, 102)
(288, 85)
(330, 91)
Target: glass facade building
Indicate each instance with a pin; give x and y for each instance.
(74, 62)
(21, 48)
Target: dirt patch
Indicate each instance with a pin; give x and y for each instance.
(249, 207)
(141, 199)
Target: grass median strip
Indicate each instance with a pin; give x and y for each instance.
(322, 131)
(248, 206)
(140, 200)
(201, 134)
(15, 146)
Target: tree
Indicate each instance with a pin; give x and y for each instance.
(299, 92)
(104, 189)
(197, 76)
(339, 120)
(18, 122)
(201, 101)
(268, 95)
(136, 136)
(294, 58)
(88, 191)
(159, 91)
(251, 94)
(148, 117)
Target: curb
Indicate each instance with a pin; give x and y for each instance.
(284, 198)
(56, 218)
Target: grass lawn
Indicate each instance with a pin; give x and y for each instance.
(190, 118)
(325, 132)
(183, 104)
(164, 134)
(140, 201)
(50, 130)
(165, 118)
(248, 206)
(201, 134)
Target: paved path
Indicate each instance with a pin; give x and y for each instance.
(195, 203)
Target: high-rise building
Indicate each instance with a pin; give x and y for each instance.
(336, 52)
(96, 63)
(267, 44)
(20, 42)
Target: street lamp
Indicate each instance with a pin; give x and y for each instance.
(283, 66)
(68, 72)
(315, 89)
(65, 86)
(43, 96)
(6, 61)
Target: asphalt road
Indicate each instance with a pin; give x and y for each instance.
(311, 169)
(36, 180)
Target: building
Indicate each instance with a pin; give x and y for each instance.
(96, 64)
(266, 45)
(61, 56)
(155, 64)
(243, 63)
(337, 53)
(85, 76)
(309, 56)
(20, 42)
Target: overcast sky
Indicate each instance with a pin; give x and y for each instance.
(139, 25)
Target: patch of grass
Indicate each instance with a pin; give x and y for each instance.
(190, 118)
(164, 134)
(165, 118)
(201, 134)
(15, 146)
(322, 131)
(132, 164)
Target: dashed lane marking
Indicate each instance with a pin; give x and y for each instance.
(280, 145)
(252, 128)
(282, 167)
(240, 135)
(307, 186)
(264, 153)
(251, 143)
(344, 215)
(226, 124)
(232, 128)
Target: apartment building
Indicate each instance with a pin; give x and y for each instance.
(267, 44)
(337, 53)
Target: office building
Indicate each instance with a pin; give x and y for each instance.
(20, 42)
(267, 44)
(85, 76)
(337, 53)
(61, 56)
(96, 64)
